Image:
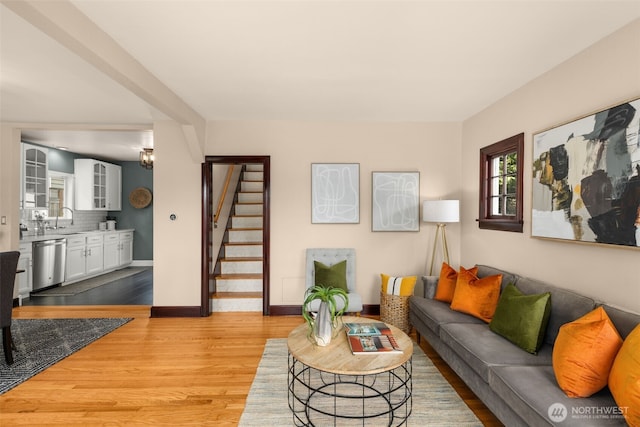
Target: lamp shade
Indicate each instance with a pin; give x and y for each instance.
(441, 211)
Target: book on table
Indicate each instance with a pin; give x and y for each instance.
(371, 338)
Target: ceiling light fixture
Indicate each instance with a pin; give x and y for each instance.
(146, 158)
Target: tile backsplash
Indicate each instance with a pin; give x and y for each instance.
(82, 221)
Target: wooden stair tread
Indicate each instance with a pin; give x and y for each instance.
(223, 295)
(242, 243)
(244, 229)
(239, 276)
(240, 259)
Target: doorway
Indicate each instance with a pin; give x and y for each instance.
(210, 254)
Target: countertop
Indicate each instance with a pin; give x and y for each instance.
(62, 234)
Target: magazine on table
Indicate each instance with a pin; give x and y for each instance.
(371, 338)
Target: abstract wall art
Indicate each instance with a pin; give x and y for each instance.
(586, 179)
(335, 193)
(395, 201)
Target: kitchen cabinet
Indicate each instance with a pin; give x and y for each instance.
(98, 185)
(114, 187)
(24, 280)
(118, 249)
(84, 256)
(126, 247)
(34, 177)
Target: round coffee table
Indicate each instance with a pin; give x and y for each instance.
(332, 386)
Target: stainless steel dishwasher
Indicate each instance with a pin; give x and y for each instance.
(49, 259)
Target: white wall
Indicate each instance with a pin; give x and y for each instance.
(432, 149)
(9, 186)
(604, 75)
(218, 179)
(176, 244)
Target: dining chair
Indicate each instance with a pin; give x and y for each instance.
(8, 267)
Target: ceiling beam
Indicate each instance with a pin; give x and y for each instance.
(62, 21)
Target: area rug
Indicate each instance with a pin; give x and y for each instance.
(86, 285)
(42, 342)
(435, 402)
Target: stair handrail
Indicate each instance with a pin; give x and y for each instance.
(223, 195)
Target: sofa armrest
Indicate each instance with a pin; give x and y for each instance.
(429, 284)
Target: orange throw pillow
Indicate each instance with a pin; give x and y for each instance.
(447, 282)
(477, 297)
(584, 352)
(624, 379)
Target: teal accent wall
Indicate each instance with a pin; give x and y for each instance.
(134, 176)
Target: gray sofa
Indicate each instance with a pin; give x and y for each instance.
(518, 387)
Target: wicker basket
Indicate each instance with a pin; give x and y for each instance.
(394, 310)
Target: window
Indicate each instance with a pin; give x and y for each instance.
(501, 185)
(56, 196)
(60, 195)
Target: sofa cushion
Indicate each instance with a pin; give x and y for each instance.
(583, 353)
(476, 296)
(481, 348)
(566, 306)
(532, 392)
(624, 381)
(435, 313)
(429, 285)
(507, 277)
(447, 282)
(522, 319)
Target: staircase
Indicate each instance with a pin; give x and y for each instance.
(238, 271)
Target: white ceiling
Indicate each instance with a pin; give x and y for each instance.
(294, 60)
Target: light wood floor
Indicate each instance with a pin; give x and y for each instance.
(178, 371)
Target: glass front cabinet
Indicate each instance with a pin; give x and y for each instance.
(98, 185)
(34, 177)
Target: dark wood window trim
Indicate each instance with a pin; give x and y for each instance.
(501, 222)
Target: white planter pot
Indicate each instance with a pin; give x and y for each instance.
(323, 327)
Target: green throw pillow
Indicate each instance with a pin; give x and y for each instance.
(334, 276)
(522, 319)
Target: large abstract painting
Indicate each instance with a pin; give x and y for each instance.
(335, 193)
(395, 202)
(586, 178)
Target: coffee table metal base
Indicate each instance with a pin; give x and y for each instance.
(321, 398)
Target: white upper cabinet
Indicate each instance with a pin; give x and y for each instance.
(34, 177)
(98, 185)
(114, 187)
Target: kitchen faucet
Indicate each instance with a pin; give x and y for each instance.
(58, 216)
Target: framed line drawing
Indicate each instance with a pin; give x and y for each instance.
(586, 179)
(335, 193)
(395, 202)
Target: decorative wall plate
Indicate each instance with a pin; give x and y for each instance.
(140, 197)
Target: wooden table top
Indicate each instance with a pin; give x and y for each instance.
(337, 357)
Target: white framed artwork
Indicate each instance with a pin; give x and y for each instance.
(395, 202)
(335, 193)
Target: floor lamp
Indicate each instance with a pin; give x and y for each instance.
(441, 212)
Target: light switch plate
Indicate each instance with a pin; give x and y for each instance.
(3, 220)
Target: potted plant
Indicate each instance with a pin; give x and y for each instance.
(325, 321)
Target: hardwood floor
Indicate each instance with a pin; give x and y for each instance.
(160, 371)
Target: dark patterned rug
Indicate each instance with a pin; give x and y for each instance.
(42, 342)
